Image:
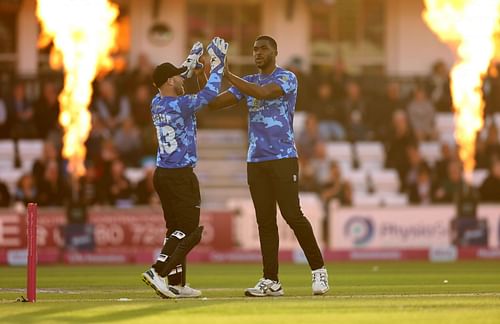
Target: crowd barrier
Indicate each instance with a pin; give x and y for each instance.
(135, 235)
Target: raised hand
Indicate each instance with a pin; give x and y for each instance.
(217, 50)
(192, 62)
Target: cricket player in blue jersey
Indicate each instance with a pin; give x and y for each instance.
(272, 166)
(173, 115)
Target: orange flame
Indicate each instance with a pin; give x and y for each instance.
(468, 26)
(83, 33)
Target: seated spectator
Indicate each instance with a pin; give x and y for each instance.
(489, 149)
(336, 187)
(4, 120)
(53, 190)
(356, 114)
(97, 136)
(127, 140)
(490, 188)
(304, 89)
(309, 137)
(329, 112)
(400, 138)
(420, 191)
(50, 156)
(390, 102)
(119, 189)
(110, 106)
(415, 163)
(4, 195)
(320, 163)
(448, 154)
(47, 110)
(26, 190)
(308, 181)
(23, 117)
(421, 115)
(145, 192)
(447, 190)
(140, 103)
(438, 87)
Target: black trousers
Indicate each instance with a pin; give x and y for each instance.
(179, 193)
(274, 182)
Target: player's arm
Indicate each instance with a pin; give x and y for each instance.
(217, 51)
(223, 100)
(268, 91)
(201, 76)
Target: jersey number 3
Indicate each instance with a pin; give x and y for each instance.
(166, 139)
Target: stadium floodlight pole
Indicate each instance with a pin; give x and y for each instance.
(32, 252)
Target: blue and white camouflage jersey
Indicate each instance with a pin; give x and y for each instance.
(175, 122)
(270, 122)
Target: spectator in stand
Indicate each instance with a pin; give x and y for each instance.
(304, 84)
(356, 114)
(127, 140)
(98, 135)
(49, 156)
(338, 79)
(4, 195)
(145, 193)
(422, 115)
(329, 112)
(90, 188)
(4, 120)
(390, 102)
(421, 190)
(490, 188)
(141, 74)
(448, 154)
(140, 103)
(110, 106)
(448, 188)
(438, 87)
(309, 137)
(308, 180)
(118, 186)
(400, 138)
(53, 190)
(491, 90)
(415, 164)
(26, 190)
(489, 149)
(336, 187)
(23, 117)
(47, 110)
(320, 163)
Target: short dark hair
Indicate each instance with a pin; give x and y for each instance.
(269, 39)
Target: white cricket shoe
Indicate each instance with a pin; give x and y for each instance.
(184, 291)
(153, 280)
(265, 287)
(320, 281)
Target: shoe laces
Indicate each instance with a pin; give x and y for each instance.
(320, 276)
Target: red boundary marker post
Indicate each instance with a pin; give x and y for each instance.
(32, 252)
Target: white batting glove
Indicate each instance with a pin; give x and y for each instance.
(192, 62)
(217, 50)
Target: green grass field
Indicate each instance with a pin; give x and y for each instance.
(368, 292)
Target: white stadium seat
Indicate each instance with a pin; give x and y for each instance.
(385, 180)
(370, 155)
(341, 152)
(430, 151)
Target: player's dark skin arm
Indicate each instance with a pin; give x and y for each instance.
(224, 100)
(268, 91)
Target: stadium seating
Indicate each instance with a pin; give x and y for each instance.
(430, 151)
(341, 152)
(370, 155)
